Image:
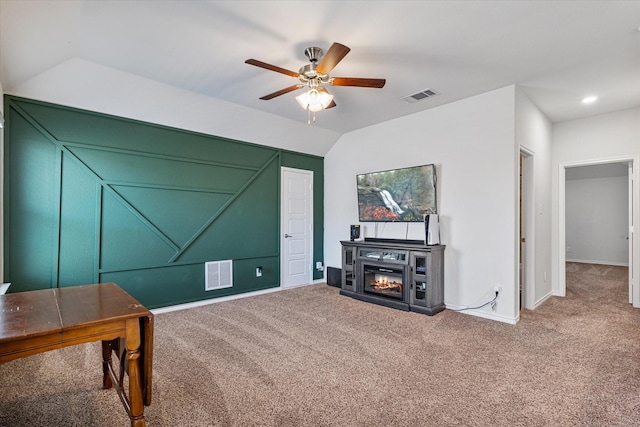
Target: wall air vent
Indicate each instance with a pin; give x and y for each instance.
(419, 96)
(218, 275)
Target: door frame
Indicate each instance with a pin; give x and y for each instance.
(282, 225)
(631, 188)
(634, 246)
(527, 224)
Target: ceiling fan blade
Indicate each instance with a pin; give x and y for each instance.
(356, 81)
(271, 67)
(281, 92)
(330, 59)
(331, 105)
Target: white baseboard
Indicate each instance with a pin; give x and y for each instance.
(486, 315)
(543, 299)
(584, 261)
(201, 303)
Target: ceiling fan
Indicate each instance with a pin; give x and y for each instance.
(315, 75)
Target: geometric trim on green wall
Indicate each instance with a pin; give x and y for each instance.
(91, 197)
(80, 154)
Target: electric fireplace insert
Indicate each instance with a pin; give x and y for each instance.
(383, 276)
(383, 281)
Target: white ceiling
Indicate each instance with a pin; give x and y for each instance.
(558, 51)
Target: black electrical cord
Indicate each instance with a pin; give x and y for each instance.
(480, 306)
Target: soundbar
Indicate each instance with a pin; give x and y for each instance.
(399, 241)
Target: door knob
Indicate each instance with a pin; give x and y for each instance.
(287, 235)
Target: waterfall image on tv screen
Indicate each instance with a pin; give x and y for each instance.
(402, 195)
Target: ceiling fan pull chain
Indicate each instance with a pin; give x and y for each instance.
(309, 117)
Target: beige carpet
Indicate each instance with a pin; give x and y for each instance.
(310, 357)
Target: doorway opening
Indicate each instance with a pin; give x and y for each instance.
(627, 168)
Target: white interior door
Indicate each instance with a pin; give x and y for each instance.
(296, 241)
(523, 235)
(630, 236)
(527, 235)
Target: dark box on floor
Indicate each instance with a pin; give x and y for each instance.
(334, 277)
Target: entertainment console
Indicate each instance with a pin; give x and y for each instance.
(403, 274)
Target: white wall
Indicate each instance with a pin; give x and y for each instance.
(591, 139)
(87, 85)
(607, 135)
(597, 212)
(533, 134)
(471, 142)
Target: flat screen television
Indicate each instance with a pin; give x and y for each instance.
(398, 195)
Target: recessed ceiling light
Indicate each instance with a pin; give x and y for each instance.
(589, 99)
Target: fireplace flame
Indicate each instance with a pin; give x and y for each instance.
(383, 283)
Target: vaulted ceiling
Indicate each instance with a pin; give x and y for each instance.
(557, 51)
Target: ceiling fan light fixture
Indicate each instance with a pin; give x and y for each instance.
(314, 100)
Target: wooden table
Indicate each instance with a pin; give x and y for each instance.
(38, 321)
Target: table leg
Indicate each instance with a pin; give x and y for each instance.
(133, 361)
(147, 357)
(106, 363)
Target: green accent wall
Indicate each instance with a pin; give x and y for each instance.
(92, 198)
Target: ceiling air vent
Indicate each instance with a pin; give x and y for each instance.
(419, 96)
